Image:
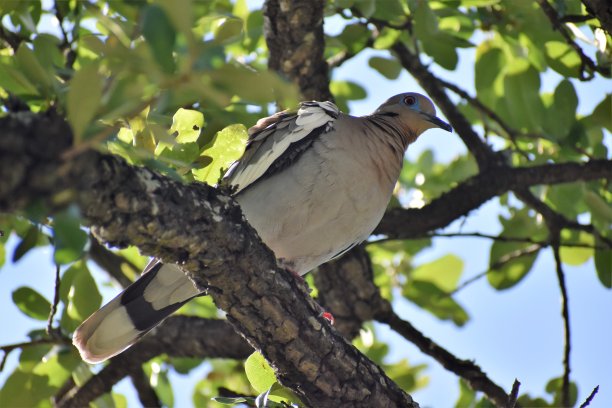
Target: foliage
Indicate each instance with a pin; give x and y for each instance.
(171, 85)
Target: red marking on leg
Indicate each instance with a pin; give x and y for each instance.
(329, 317)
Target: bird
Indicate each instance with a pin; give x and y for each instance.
(313, 183)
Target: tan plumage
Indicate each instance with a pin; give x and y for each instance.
(312, 183)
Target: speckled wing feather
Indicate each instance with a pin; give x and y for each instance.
(277, 141)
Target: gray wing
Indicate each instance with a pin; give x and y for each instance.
(277, 141)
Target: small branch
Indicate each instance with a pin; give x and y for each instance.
(146, 394)
(587, 402)
(586, 62)
(565, 389)
(56, 299)
(10, 347)
(470, 372)
(475, 191)
(532, 249)
(513, 397)
(502, 238)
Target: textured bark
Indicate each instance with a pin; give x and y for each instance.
(602, 9)
(203, 230)
(347, 290)
(294, 34)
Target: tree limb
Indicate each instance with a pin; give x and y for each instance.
(294, 34)
(602, 10)
(475, 191)
(167, 219)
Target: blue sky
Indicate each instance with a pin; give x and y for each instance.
(512, 334)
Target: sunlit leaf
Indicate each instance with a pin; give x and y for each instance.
(258, 371)
(83, 98)
(226, 147)
(188, 124)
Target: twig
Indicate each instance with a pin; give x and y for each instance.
(587, 402)
(531, 249)
(502, 238)
(56, 299)
(554, 18)
(466, 369)
(476, 103)
(513, 396)
(10, 347)
(565, 390)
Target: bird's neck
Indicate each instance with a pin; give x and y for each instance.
(388, 142)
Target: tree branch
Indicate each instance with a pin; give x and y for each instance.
(294, 34)
(586, 62)
(475, 191)
(129, 205)
(602, 10)
(466, 369)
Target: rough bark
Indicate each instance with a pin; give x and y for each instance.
(294, 34)
(602, 9)
(168, 219)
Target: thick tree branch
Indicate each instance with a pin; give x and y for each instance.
(167, 219)
(602, 9)
(294, 34)
(472, 193)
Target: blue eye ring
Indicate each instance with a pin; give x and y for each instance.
(410, 100)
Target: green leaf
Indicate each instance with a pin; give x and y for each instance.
(519, 225)
(13, 80)
(83, 295)
(522, 99)
(603, 266)
(576, 255)
(435, 300)
(258, 371)
(229, 400)
(31, 303)
(33, 70)
(228, 29)
(68, 237)
(444, 272)
(161, 384)
(389, 68)
(188, 124)
(84, 98)
(28, 242)
(561, 115)
(562, 58)
(226, 147)
(467, 396)
(554, 387)
(598, 206)
(160, 35)
(25, 389)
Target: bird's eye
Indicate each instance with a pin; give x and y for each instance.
(410, 100)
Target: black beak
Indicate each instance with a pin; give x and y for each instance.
(438, 122)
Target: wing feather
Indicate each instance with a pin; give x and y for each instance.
(277, 141)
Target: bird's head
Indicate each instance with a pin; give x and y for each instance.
(415, 112)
